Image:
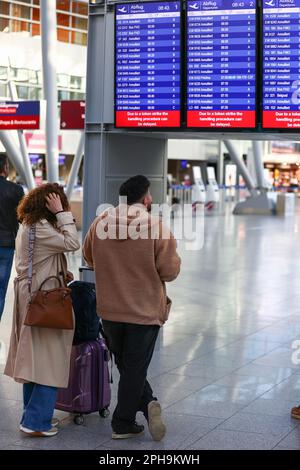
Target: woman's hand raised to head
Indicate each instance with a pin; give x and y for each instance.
(53, 203)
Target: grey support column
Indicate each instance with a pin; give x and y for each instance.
(220, 169)
(257, 203)
(111, 156)
(13, 152)
(75, 166)
(241, 165)
(95, 145)
(259, 167)
(48, 31)
(23, 147)
(26, 161)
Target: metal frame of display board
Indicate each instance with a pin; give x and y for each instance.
(112, 155)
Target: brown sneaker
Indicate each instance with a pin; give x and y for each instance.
(295, 412)
(157, 428)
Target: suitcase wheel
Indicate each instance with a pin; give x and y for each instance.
(104, 413)
(78, 419)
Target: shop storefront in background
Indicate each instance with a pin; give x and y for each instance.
(282, 165)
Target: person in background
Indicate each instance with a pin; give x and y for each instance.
(40, 357)
(295, 412)
(131, 299)
(10, 196)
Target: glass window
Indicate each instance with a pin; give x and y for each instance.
(80, 8)
(40, 77)
(63, 5)
(33, 93)
(77, 96)
(3, 24)
(75, 82)
(36, 14)
(63, 20)
(33, 76)
(3, 90)
(18, 26)
(3, 73)
(4, 8)
(62, 35)
(35, 28)
(22, 92)
(20, 75)
(63, 80)
(20, 11)
(79, 38)
(79, 23)
(63, 95)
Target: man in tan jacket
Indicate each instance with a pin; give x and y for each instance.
(133, 255)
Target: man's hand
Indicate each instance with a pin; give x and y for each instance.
(69, 277)
(53, 203)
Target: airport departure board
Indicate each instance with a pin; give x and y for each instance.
(281, 64)
(148, 64)
(221, 64)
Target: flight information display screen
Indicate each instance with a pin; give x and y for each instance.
(281, 64)
(148, 64)
(221, 64)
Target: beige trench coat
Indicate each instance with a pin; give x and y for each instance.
(41, 355)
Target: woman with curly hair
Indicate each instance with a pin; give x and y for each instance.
(40, 357)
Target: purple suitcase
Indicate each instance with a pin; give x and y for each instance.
(89, 385)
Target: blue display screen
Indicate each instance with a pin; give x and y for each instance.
(148, 64)
(281, 64)
(221, 64)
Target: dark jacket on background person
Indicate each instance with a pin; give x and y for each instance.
(10, 196)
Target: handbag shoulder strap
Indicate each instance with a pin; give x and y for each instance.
(32, 234)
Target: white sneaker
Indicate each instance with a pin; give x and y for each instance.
(55, 422)
(51, 432)
(157, 428)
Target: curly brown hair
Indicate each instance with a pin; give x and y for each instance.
(32, 207)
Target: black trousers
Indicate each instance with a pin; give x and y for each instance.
(132, 346)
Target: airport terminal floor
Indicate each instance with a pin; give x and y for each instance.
(224, 368)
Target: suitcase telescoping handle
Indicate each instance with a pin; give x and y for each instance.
(101, 331)
(85, 268)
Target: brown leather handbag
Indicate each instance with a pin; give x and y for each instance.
(48, 308)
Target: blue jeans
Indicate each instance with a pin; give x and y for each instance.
(6, 259)
(39, 402)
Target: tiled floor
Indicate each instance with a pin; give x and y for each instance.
(223, 367)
